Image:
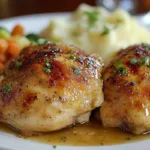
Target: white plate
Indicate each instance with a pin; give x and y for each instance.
(35, 23)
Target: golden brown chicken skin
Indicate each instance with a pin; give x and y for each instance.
(127, 90)
(50, 87)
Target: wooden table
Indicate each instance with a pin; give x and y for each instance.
(9, 8)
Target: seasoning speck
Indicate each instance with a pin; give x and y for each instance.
(18, 64)
(106, 31)
(6, 88)
(77, 70)
(132, 83)
(64, 138)
(54, 146)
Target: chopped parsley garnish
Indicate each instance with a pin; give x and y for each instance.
(105, 31)
(117, 64)
(101, 78)
(92, 17)
(54, 146)
(64, 138)
(145, 45)
(128, 138)
(71, 51)
(119, 68)
(32, 37)
(77, 58)
(71, 57)
(145, 60)
(6, 88)
(22, 56)
(47, 70)
(42, 41)
(48, 65)
(148, 65)
(77, 70)
(121, 71)
(133, 61)
(18, 64)
(119, 20)
(75, 33)
(88, 65)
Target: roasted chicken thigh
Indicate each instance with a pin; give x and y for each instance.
(49, 87)
(127, 90)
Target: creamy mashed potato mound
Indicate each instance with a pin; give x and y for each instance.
(95, 29)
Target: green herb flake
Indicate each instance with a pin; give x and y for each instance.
(47, 60)
(32, 37)
(119, 20)
(106, 31)
(64, 138)
(22, 56)
(102, 78)
(6, 88)
(92, 17)
(77, 70)
(41, 41)
(18, 64)
(47, 70)
(145, 45)
(75, 34)
(145, 60)
(78, 58)
(54, 146)
(71, 51)
(148, 65)
(121, 71)
(128, 138)
(117, 64)
(48, 65)
(88, 65)
(133, 61)
(71, 57)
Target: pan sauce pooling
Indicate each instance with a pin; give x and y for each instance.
(96, 30)
(92, 133)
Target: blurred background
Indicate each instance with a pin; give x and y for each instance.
(10, 8)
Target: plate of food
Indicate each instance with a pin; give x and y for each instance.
(74, 80)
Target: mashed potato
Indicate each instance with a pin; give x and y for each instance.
(96, 30)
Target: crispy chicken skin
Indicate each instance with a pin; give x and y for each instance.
(127, 90)
(50, 87)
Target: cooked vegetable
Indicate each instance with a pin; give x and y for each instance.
(32, 37)
(4, 34)
(3, 45)
(18, 30)
(13, 48)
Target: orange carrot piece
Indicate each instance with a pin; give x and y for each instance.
(13, 48)
(18, 30)
(3, 45)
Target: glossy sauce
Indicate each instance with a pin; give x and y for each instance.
(88, 134)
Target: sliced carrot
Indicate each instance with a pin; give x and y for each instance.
(3, 45)
(13, 48)
(18, 30)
